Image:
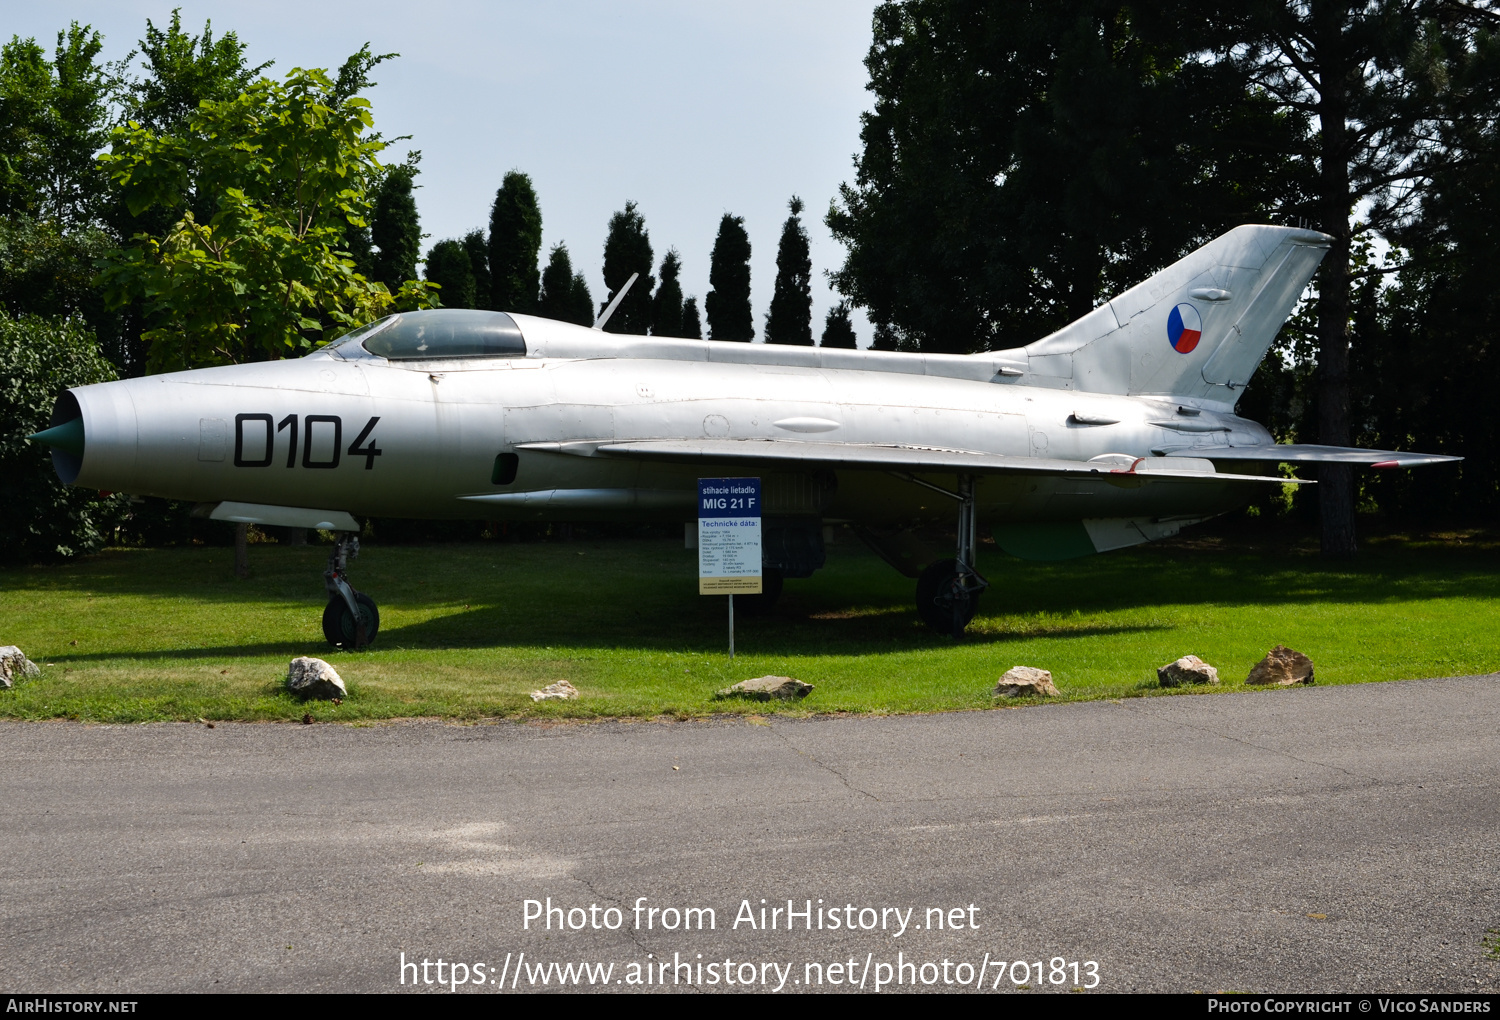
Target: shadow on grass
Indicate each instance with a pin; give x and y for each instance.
(642, 594)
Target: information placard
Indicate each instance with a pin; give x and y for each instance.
(729, 536)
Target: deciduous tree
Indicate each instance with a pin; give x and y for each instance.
(289, 165)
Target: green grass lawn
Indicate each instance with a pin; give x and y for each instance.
(468, 630)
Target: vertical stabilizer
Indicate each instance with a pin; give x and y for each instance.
(1196, 329)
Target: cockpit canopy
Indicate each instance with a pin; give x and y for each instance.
(441, 334)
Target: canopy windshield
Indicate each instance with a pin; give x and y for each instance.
(447, 333)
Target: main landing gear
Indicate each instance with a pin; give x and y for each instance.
(948, 590)
(351, 619)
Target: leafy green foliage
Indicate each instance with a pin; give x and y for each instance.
(183, 70)
(40, 518)
(448, 266)
(288, 166)
(565, 294)
(1024, 159)
(666, 307)
(53, 119)
(627, 249)
(790, 319)
(49, 273)
(838, 331)
(515, 245)
(728, 303)
(394, 227)
(692, 325)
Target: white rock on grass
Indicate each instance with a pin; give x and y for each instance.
(764, 688)
(1021, 681)
(1187, 670)
(14, 665)
(560, 691)
(313, 678)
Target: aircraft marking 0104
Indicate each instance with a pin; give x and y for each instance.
(318, 451)
(1083, 441)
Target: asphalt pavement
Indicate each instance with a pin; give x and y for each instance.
(1311, 839)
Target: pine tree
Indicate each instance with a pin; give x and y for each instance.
(478, 250)
(394, 228)
(838, 331)
(627, 250)
(790, 319)
(666, 310)
(728, 304)
(448, 267)
(692, 325)
(515, 245)
(559, 283)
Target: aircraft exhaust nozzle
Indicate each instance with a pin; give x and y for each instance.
(92, 434)
(65, 436)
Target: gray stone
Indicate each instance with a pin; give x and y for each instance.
(1281, 667)
(15, 665)
(764, 688)
(1187, 670)
(560, 691)
(314, 678)
(1022, 681)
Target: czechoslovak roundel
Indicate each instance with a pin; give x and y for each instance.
(1184, 327)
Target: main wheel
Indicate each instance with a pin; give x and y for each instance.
(942, 601)
(338, 623)
(762, 604)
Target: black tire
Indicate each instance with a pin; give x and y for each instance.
(941, 601)
(338, 622)
(762, 604)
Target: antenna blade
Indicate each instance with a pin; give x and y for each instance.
(604, 315)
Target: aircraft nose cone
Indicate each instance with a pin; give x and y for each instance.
(67, 437)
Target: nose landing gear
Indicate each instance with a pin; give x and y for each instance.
(351, 619)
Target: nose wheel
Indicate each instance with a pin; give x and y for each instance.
(351, 619)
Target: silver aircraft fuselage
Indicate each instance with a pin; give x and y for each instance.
(1120, 425)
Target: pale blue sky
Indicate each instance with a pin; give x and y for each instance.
(690, 109)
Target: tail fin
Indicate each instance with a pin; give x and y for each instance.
(1196, 329)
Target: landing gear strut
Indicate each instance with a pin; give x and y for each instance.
(351, 619)
(948, 590)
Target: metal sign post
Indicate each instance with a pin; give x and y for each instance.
(729, 540)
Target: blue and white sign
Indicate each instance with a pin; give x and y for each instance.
(729, 536)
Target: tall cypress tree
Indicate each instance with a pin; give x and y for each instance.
(478, 250)
(394, 228)
(692, 325)
(627, 250)
(790, 319)
(515, 245)
(728, 303)
(838, 331)
(559, 290)
(666, 310)
(581, 302)
(448, 267)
